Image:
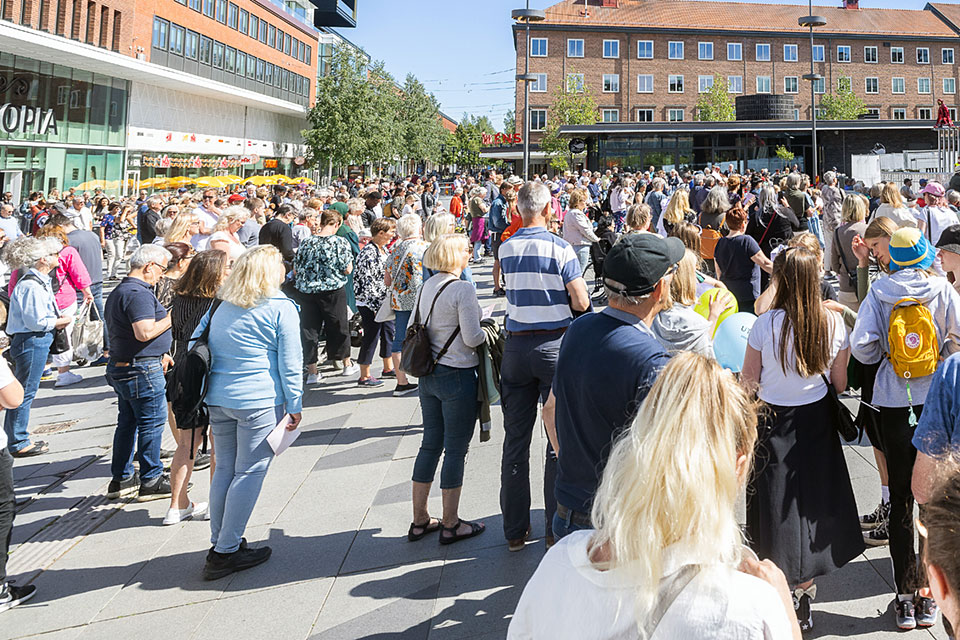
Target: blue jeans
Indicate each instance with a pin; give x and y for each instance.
(30, 352)
(400, 329)
(583, 255)
(448, 403)
(141, 414)
(243, 457)
(564, 527)
(96, 289)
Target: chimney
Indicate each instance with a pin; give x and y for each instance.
(851, 4)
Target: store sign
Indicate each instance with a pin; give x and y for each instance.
(501, 138)
(269, 164)
(27, 120)
(167, 161)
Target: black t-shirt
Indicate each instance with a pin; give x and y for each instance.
(147, 225)
(130, 302)
(738, 272)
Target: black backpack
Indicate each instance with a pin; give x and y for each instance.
(188, 383)
(417, 357)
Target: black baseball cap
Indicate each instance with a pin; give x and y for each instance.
(638, 262)
(950, 239)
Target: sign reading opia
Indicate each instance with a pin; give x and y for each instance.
(27, 120)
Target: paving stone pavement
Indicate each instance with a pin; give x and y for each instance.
(335, 509)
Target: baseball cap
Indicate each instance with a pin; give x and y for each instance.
(639, 261)
(950, 239)
(923, 182)
(235, 198)
(934, 189)
(909, 249)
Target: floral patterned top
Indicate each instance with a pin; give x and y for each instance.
(320, 264)
(406, 276)
(368, 282)
(114, 229)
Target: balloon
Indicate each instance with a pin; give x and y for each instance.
(730, 340)
(703, 305)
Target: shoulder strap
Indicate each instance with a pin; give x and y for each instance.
(667, 595)
(435, 298)
(929, 230)
(205, 336)
(766, 229)
(843, 255)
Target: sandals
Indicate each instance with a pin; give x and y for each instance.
(430, 526)
(37, 448)
(476, 528)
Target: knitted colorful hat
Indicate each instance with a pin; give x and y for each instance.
(909, 249)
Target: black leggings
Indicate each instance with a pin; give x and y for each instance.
(327, 310)
(374, 332)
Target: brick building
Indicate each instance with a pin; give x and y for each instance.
(649, 60)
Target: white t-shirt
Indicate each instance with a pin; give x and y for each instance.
(568, 598)
(790, 389)
(207, 220)
(904, 217)
(236, 249)
(6, 377)
(936, 219)
(81, 218)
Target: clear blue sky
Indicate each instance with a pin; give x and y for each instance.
(462, 50)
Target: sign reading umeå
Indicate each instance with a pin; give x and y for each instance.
(27, 120)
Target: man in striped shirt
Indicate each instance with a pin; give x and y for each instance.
(545, 286)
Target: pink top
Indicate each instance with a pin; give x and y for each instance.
(72, 275)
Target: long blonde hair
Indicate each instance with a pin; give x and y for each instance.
(678, 208)
(672, 476)
(256, 275)
(179, 227)
(683, 287)
(891, 195)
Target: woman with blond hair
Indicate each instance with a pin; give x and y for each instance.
(224, 237)
(843, 261)
(578, 230)
(801, 512)
(666, 564)
(677, 326)
(891, 206)
(255, 378)
(182, 229)
(678, 211)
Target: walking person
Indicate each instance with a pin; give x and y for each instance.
(477, 210)
(115, 232)
(255, 378)
(801, 511)
(449, 309)
(404, 277)
(371, 291)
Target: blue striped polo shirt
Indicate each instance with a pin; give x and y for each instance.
(537, 266)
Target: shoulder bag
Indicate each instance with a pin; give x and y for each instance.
(417, 356)
(386, 313)
(61, 339)
(843, 420)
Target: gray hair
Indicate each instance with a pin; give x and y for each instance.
(25, 251)
(658, 184)
(615, 295)
(532, 199)
(794, 180)
(767, 198)
(710, 181)
(830, 177)
(953, 197)
(717, 201)
(152, 200)
(5, 206)
(148, 253)
(356, 206)
(409, 226)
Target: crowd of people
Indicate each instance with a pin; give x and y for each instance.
(652, 435)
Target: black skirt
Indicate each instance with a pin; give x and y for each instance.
(801, 511)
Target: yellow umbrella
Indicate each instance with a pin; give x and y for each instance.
(180, 181)
(235, 178)
(216, 182)
(152, 183)
(302, 181)
(263, 180)
(92, 184)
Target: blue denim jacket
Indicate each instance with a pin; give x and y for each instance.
(32, 306)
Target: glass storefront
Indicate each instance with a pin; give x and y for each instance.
(74, 124)
(176, 165)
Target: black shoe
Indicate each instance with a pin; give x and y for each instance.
(872, 520)
(11, 596)
(166, 454)
(926, 611)
(405, 389)
(223, 564)
(122, 488)
(499, 293)
(906, 614)
(201, 462)
(878, 536)
(159, 489)
(801, 605)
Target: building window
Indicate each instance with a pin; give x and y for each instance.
(645, 50)
(899, 113)
(260, 67)
(208, 9)
(791, 84)
(263, 31)
(870, 55)
(538, 119)
(645, 83)
(924, 113)
(897, 85)
(735, 84)
(280, 39)
(763, 84)
(675, 84)
(540, 84)
(949, 85)
(538, 47)
(218, 54)
(611, 48)
(790, 53)
(241, 64)
(254, 26)
(763, 53)
(644, 115)
(191, 44)
(675, 115)
(195, 5)
(611, 115)
(222, 11)
(734, 51)
(176, 39)
(873, 112)
(844, 83)
(953, 113)
(946, 56)
(843, 53)
(230, 60)
(611, 83)
(872, 85)
(923, 85)
(272, 37)
(796, 114)
(819, 54)
(574, 48)
(574, 83)
(161, 33)
(704, 84)
(232, 10)
(308, 55)
(206, 45)
(896, 55)
(286, 43)
(705, 51)
(244, 19)
(923, 55)
(675, 50)
(820, 86)
(268, 74)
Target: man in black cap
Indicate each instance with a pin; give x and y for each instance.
(607, 363)
(949, 252)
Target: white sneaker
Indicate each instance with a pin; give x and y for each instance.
(313, 378)
(174, 516)
(68, 378)
(349, 372)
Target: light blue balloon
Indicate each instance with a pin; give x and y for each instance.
(730, 341)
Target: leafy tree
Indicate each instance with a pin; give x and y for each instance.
(419, 113)
(510, 122)
(715, 105)
(384, 139)
(843, 104)
(463, 146)
(574, 106)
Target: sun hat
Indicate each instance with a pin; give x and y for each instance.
(514, 181)
(909, 249)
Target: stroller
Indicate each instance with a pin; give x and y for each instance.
(598, 253)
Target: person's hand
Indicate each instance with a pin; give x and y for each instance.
(62, 322)
(833, 305)
(87, 297)
(295, 419)
(166, 362)
(718, 305)
(861, 250)
(770, 573)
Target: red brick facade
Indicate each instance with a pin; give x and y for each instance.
(98, 23)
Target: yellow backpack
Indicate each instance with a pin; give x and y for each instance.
(914, 346)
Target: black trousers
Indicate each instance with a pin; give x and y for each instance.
(327, 310)
(7, 504)
(895, 439)
(374, 332)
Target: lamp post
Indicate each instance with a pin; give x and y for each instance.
(812, 21)
(525, 17)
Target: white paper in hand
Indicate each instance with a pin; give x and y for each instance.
(279, 439)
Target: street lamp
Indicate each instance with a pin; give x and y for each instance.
(525, 17)
(812, 21)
